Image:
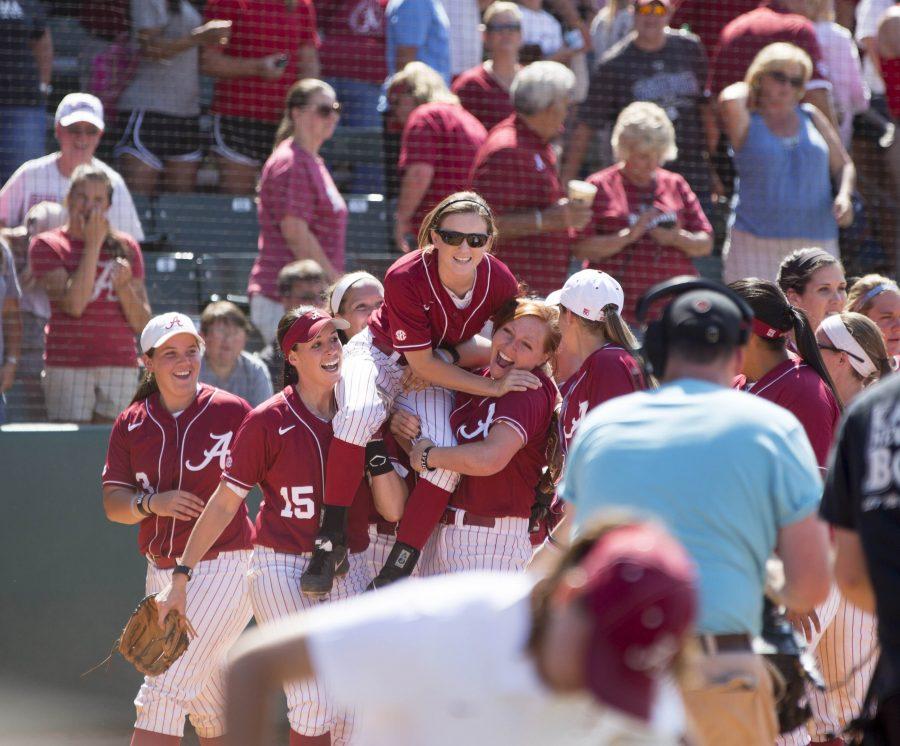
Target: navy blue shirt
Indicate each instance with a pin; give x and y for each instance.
(21, 23)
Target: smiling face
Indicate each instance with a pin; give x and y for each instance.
(885, 312)
(225, 341)
(176, 366)
(318, 362)
(501, 35)
(519, 344)
(358, 303)
(457, 264)
(824, 295)
(317, 117)
(650, 20)
(78, 142)
(641, 164)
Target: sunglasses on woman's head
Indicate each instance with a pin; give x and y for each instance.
(324, 110)
(780, 77)
(455, 238)
(832, 348)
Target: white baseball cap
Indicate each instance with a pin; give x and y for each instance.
(588, 292)
(80, 107)
(165, 326)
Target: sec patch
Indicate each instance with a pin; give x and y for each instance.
(400, 335)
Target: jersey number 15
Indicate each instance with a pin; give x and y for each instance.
(295, 505)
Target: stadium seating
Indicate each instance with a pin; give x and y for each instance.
(173, 282)
(204, 223)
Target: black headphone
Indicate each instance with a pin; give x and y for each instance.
(655, 350)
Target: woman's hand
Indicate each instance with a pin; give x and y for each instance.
(178, 504)
(411, 382)
(666, 236)
(215, 31)
(173, 596)
(402, 229)
(516, 380)
(637, 231)
(405, 425)
(96, 228)
(566, 215)
(842, 208)
(268, 67)
(415, 455)
(805, 623)
(121, 273)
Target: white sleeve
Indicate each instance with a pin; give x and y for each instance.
(12, 200)
(123, 216)
(868, 14)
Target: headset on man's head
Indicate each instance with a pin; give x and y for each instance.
(655, 349)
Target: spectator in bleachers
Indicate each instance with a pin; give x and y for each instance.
(226, 365)
(707, 22)
(542, 34)
(611, 24)
(158, 133)
(465, 41)
(301, 213)
(10, 325)
(353, 56)
(25, 69)
(104, 22)
(813, 281)
(786, 154)
(484, 89)
(418, 30)
(300, 283)
(272, 45)
(878, 297)
(439, 142)
(25, 400)
(656, 64)
(646, 222)
(515, 171)
(848, 89)
(94, 277)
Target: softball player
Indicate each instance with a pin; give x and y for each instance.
(166, 453)
(282, 446)
(353, 298)
(436, 297)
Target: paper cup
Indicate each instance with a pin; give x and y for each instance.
(582, 191)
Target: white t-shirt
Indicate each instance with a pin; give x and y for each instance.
(850, 93)
(465, 34)
(442, 662)
(868, 15)
(539, 27)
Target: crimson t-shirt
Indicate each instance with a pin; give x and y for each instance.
(154, 452)
(799, 389)
(297, 183)
(515, 171)
(282, 447)
(101, 336)
(643, 263)
(509, 492)
(353, 40)
(482, 96)
(708, 22)
(606, 373)
(446, 137)
(261, 28)
(418, 312)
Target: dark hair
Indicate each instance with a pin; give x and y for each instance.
(298, 95)
(147, 384)
(290, 377)
(770, 305)
(698, 352)
(798, 267)
(458, 203)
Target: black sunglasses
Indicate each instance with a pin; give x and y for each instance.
(455, 238)
(498, 27)
(832, 348)
(324, 110)
(780, 77)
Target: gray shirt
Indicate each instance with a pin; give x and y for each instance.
(249, 379)
(9, 287)
(170, 86)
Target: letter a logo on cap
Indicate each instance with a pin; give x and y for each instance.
(174, 322)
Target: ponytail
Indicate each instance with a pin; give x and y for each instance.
(147, 385)
(298, 95)
(805, 338)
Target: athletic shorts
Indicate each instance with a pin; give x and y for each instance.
(245, 141)
(154, 138)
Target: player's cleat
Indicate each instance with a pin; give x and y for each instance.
(400, 564)
(328, 560)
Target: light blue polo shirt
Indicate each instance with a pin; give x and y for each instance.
(722, 469)
(423, 24)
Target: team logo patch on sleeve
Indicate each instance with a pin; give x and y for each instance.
(400, 335)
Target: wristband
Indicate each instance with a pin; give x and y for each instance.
(134, 510)
(538, 221)
(378, 461)
(183, 570)
(424, 464)
(147, 503)
(139, 504)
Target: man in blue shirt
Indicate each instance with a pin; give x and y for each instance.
(734, 478)
(418, 30)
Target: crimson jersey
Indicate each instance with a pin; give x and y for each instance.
(509, 492)
(799, 389)
(153, 451)
(418, 312)
(608, 372)
(282, 447)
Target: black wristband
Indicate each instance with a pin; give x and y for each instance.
(378, 461)
(139, 504)
(150, 510)
(425, 466)
(183, 570)
(452, 350)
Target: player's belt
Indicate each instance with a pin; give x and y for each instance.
(168, 563)
(738, 643)
(468, 519)
(385, 528)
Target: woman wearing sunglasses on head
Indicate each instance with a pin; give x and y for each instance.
(436, 300)
(786, 155)
(301, 213)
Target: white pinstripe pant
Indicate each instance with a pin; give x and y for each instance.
(218, 607)
(275, 593)
(370, 387)
(377, 552)
(459, 548)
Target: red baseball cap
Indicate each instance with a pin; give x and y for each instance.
(639, 586)
(307, 326)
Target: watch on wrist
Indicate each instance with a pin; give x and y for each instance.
(183, 570)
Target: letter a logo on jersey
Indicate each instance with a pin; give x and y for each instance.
(220, 449)
(483, 426)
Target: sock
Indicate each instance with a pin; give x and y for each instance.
(334, 523)
(343, 472)
(298, 739)
(149, 738)
(423, 510)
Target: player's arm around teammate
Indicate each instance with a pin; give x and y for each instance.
(440, 295)
(166, 452)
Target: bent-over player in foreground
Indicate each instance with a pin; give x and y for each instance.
(585, 656)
